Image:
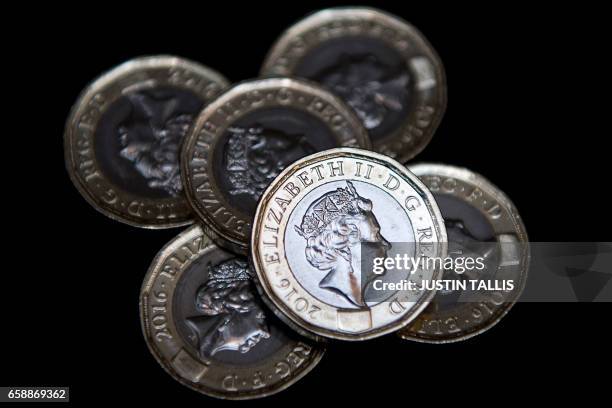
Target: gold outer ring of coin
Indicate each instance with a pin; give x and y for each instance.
(156, 317)
(80, 158)
(417, 131)
(233, 231)
(301, 320)
(477, 182)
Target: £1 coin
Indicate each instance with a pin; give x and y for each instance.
(246, 137)
(381, 65)
(319, 226)
(481, 223)
(123, 136)
(203, 322)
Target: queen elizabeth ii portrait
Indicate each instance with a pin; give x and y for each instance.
(341, 231)
(230, 318)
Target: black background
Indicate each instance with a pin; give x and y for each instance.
(522, 110)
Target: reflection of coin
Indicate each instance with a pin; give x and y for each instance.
(243, 139)
(480, 222)
(379, 64)
(203, 322)
(322, 219)
(123, 137)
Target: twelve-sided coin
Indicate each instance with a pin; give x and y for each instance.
(203, 322)
(242, 140)
(123, 137)
(382, 66)
(319, 226)
(481, 222)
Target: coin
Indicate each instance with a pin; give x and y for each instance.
(382, 66)
(243, 139)
(123, 135)
(203, 322)
(481, 221)
(322, 219)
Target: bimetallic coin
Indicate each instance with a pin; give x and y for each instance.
(242, 140)
(203, 322)
(382, 66)
(324, 218)
(480, 222)
(123, 136)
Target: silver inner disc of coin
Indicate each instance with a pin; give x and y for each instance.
(318, 229)
(385, 225)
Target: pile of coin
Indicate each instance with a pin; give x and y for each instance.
(289, 179)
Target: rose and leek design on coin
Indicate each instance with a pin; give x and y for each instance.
(124, 134)
(318, 230)
(207, 326)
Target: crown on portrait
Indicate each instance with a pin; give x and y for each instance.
(238, 148)
(329, 207)
(229, 271)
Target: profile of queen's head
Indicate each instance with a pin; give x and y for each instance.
(341, 230)
(227, 298)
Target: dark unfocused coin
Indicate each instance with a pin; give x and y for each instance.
(246, 137)
(204, 323)
(382, 66)
(122, 139)
(481, 222)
